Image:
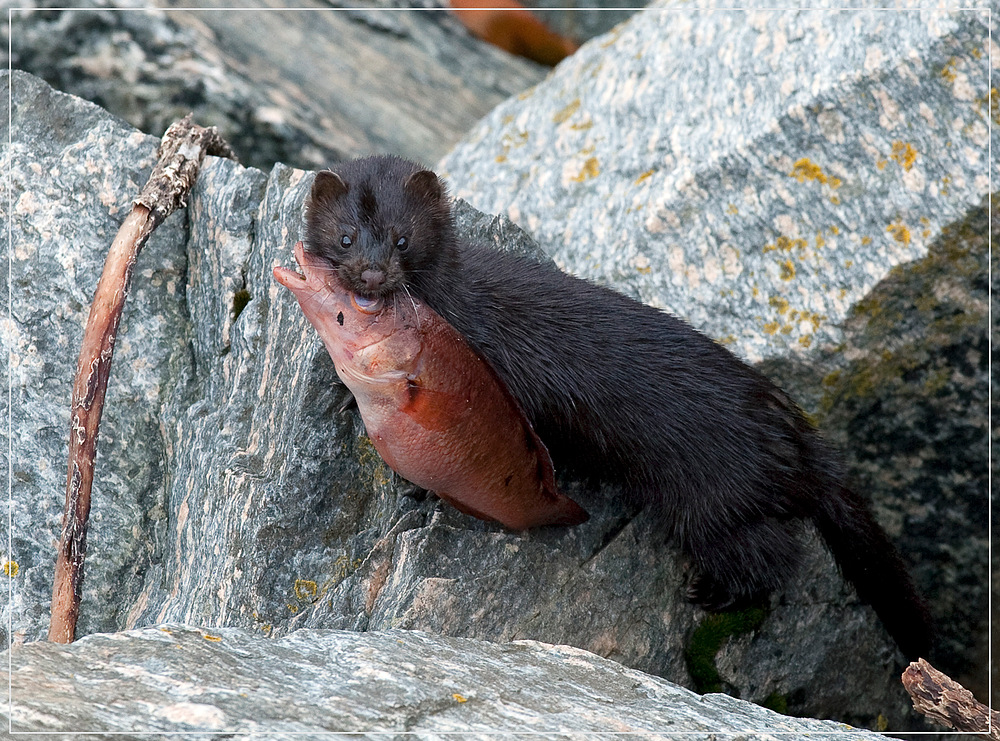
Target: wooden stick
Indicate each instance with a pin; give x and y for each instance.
(180, 154)
(947, 703)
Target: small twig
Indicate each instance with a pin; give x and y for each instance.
(180, 155)
(947, 703)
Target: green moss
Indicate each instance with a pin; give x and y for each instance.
(710, 636)
(777, 702)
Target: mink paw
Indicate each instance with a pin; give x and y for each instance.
(707, 593)
(712, 595)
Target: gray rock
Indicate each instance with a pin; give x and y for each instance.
(320, 85)
(715, 164)
(72, 170)
(203, 682)
(260, 506)
(907, 400)
(583, 19)
(808, 187)
(231, 491)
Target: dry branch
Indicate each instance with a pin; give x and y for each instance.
(180, 154)
(945, 702)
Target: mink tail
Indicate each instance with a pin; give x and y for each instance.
(872, 564)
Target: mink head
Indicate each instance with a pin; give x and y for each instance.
(382, 222)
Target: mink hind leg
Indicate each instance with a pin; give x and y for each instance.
(741, 567)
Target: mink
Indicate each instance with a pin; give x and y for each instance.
(625, 393)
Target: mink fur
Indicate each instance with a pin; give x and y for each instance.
(625, 393)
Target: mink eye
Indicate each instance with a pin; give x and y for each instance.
(345, 242)
(402, 243)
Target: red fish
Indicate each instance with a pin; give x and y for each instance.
(434, 409)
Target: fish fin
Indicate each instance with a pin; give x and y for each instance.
(563, 510)
(348, 402)
(558, 508)
(433, 409)
(464, 508)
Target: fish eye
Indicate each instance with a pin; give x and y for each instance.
(366, 305)
(402, 243)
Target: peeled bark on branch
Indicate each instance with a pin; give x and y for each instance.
(180, 154)
(945, 702)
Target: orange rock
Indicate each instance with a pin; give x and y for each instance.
(513, 28)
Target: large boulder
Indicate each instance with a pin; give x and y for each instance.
(810, 188)
(322, 83)
(174, 679)
(231, 491)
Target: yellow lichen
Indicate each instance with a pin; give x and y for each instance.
(591, 169)
(778, 303)
(642, 178)
(904, 154)
(732, 210)
(805, 169)
(517, 139)
(771, 327)
(208, 637)
(787, 270)
(565, 113)
(899, 232)
(304, 589)
(785, 244)
(345, 566)
(459, 698)
(10, 568)
(948, 71)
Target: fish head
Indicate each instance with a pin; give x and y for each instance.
(371, 340)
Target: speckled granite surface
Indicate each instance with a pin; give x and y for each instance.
(177, 679)
(724, 164)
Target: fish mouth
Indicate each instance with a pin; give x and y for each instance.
(301, 273)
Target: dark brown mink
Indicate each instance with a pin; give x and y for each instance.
(626, 393)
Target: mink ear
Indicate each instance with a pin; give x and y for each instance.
(425, 184)
(327, 186)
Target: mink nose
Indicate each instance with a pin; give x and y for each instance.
(373, 279)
